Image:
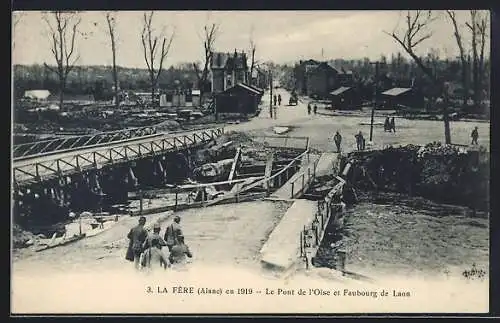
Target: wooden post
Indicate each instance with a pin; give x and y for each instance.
(140, 202)
(176, 198)
(293, 184)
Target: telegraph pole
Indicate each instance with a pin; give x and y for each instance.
(270, 93)
(375, 96)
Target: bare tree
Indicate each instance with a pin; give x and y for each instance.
(415, 33)
(463, 55)
(111, 24)
(16, 18)
(478, 27)
(150, 43)
(253, 48)
(210, 33)
(63, 28)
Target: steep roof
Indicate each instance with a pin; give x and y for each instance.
(228, 60)
(340, 90)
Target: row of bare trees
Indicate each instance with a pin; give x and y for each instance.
(156, 43)
(417, 30)
(63, 33)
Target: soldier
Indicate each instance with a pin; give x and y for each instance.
(274, 99)
(172, 233)
(179, 252)
(338, 140)
(309, 108)
(474, 136)
(154, 256)
(137, 236)
(392, 125)
(154, 235)
(279, 99)
(315, 109)
(359, 140)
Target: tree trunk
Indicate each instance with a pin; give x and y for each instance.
(62, 83)
(115, 72)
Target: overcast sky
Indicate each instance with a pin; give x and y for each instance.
(281, 36)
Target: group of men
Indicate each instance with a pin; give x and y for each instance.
(146, 248)
(360, 140)
(273, 111)
(314, 108)
(390, 125)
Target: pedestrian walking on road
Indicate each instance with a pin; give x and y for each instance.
(274, 99)
(275, 111)
(315, 109)
(173, 232)
(393, 125)
(338, 140)
(309, 108)
(136, 236)
(475, 136)
(359, 141)
(279, 99)
(387, 125)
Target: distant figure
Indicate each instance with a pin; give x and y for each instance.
(173, 232)
(474, 136)
(153, 256)
(137, 236)
(270, 112)
(393, 125)
(387, 125)
(315, 109)
(275, 111)
(279, 99)
(309, 108)
(179, 252)
(359, 141)
(338, 140)
(274, 99)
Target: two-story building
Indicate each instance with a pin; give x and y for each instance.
(227, 70)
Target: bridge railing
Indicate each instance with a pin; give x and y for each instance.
(50, 166)
(39, 147)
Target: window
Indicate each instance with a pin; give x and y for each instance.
(169, 97)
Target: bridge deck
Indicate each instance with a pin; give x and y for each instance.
(49, 165)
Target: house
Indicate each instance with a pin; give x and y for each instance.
(180, 98)
(402, 98)
(345, 98)
(37, 95)
(300, 72)
(240, 99)
(228, 69)
(260, 78)
(322, 79)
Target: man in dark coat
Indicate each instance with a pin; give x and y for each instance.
(137, 236)
(474, 136)
(338, 140)
(173, 232)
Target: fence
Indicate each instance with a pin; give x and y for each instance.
(49, 165)
(313, 233)
(302, 178)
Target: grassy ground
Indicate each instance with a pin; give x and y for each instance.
(383, 240)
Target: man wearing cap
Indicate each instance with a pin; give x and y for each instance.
(137, 236)
(154, 235)
(172, 233)
(153, 256)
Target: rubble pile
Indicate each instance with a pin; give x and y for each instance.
(438, 172)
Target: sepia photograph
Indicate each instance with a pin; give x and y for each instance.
(250, 162)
